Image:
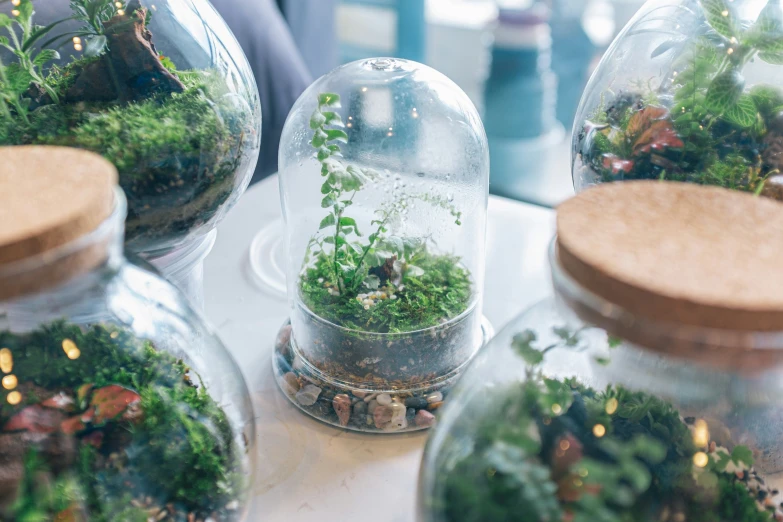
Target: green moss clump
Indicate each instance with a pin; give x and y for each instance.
(552, 449)
(182, 452)
(441, 292)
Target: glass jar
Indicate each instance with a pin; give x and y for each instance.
(158, 87)
(118, 402)
(689, 91)
(585, 408)
(387, 161)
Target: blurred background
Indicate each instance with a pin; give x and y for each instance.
(524, 63)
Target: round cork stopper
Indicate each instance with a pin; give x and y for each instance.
(49, 197)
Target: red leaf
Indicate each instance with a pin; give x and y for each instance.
(110, 402)
(77, 423)
(644, 118)
(60, 401)
(617, 165)
(94, 439)
(35, 419)
(661, 135)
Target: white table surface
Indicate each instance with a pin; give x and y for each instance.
(309, 471)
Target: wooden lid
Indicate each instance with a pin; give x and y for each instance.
(50, 196)
(676, 253)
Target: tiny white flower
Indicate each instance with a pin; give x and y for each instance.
(392, 297)
(366, 307)
(320, 279)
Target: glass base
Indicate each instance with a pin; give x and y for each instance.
(184, 267)
(267, 258)
(360, 409)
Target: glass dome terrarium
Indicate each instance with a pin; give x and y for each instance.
(117, 401)
(384, 184)
(689, 91)
(158, 87)
(601, 404)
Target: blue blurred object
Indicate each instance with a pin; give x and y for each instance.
(369, 28)
(312, 24)
(520, 102)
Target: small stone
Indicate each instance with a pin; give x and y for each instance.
(383, 417)
(371, 406)
(359, 393)
(283, 341)
(342, 407)
(369, 419)
(398, 419)
(418, 403)
(435, 397)
(370, 397)
(435, 405)
(291, 383)
(410, 415)
(360, 408)
(424, 419)
(773, 187)
(384, 399)
(308, 395)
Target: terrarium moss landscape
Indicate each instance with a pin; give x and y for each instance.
(563, 451)
(702, 124)
(99, 425)
(384, 283)
(175, 136)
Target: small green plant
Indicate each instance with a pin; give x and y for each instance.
(702, 124)
(549, 449)
(346, 274)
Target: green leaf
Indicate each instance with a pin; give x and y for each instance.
(742, 454)
(5, 20)
(327, 202)
(766, 97)
(721, 16)
(523, 344)
(614, 342)
(743, 113)
(332, 118)
(349, 222)
(319, 138)
(47, 55)
(329, 99)
(772, 58)
(603, 361)
(725, 90)
(323, 153)
(317, 120)
(39, 32)
(767, 33)
(336, 134)
(95, 46)
(326, 188)
(4, 42)
(328, 221)
(25, 13)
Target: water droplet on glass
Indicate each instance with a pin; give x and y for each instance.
(420, 174)
(448, 177)
(450, 197)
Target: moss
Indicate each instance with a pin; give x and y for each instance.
(443, 291)
(182, 452)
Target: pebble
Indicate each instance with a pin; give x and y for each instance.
(410, 415)
(435, 397)
(371, 407)
(398, 420)
(291, 383)
(360, 408)
(369, 419)
(359, 393)
(424, 419)
(383, 417)
(308, 395)
(342, 407)
(283, 340)
(435, 405)
(418, 403)
(384, 399)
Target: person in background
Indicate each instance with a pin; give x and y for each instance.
(280, 71)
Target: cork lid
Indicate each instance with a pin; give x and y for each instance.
(49, 197)
(679, 254)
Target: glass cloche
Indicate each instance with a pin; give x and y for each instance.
(117, 402)
(647, 389)
(689, 91)
(158, 87)
(384, 175)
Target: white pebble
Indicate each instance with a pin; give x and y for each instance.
(434, 397)
(392, 297)
(366, 307)
(320, 279)
(384, 399)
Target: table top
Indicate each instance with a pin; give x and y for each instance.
(309, 471)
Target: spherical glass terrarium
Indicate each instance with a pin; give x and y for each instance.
(158, 87)
(117, 401)
(689, 91)
(591, 406)
(384, 176)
